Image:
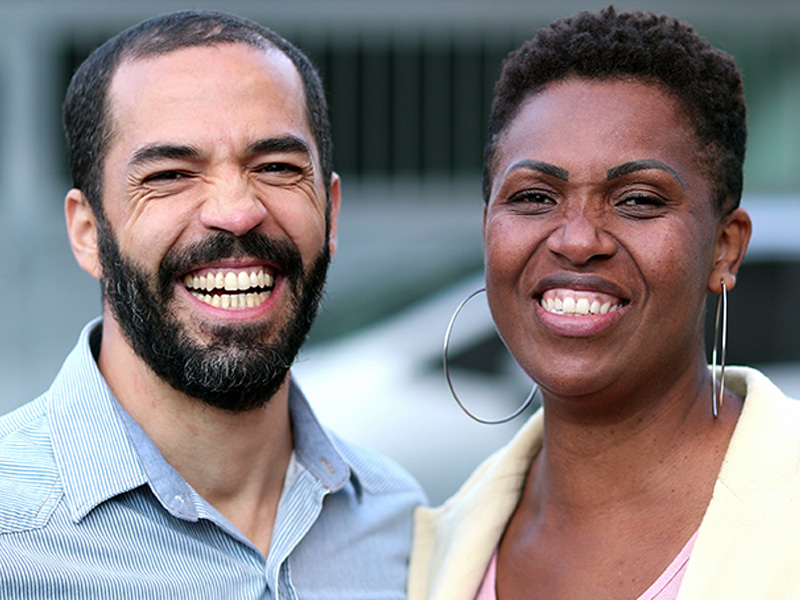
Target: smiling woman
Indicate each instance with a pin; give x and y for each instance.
(612, 182)
(604, 218)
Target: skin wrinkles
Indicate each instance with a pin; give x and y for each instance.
(156, 153)
(293, 145)
(158, 158)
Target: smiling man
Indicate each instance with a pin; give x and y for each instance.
(174, 456)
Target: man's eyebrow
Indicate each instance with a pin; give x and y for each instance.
(641, 165)
(287, 143)
(153, 152)
(542, 167)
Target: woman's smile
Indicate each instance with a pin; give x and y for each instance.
(598, 234)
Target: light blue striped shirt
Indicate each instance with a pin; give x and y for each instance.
(90, 509)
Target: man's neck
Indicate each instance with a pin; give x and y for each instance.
(236, 461)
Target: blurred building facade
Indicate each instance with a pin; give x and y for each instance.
(409, 85)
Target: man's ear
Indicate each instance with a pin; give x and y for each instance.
(733, 235)
(82, 232)
(335, 200)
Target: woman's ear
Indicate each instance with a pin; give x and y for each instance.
(733, 235)
(82, 232)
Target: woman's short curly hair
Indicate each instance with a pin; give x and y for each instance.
(638, 45)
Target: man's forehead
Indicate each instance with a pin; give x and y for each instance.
(268, 55)
(185, 73)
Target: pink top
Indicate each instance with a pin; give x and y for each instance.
(664, 588)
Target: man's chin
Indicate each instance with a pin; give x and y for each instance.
(236, 399)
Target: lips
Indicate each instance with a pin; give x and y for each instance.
(576, 303)
(231, 289)
(579, 296)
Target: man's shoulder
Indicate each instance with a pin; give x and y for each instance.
(30, 485)
(377, 473)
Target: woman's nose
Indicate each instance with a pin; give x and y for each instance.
(581, 238)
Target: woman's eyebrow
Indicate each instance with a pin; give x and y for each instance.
(642, 165)
(542, 167)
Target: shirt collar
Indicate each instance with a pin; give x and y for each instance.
(91, 446)
(312, 446)
(102, 452)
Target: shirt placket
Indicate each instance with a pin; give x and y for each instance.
(298, 511)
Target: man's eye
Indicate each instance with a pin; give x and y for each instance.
(279, 167)
(165, 176)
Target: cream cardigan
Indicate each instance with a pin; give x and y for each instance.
(748, 544)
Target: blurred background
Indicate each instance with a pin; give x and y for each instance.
(409, 85)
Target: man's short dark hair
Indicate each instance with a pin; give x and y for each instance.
(642, 46)
(87, 117)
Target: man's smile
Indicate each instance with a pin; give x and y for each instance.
(234, 289)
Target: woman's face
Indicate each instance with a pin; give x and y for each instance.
(599, 239)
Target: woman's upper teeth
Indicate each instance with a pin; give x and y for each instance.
(579, 303)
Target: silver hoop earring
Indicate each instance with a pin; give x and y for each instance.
(446, 366)
(720, 339)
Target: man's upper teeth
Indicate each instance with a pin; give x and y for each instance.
(230, 281)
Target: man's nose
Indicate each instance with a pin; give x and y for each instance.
(232, 206)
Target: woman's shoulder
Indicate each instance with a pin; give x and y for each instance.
(454, 542)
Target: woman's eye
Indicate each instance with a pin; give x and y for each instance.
(642, 200)
(642, 206)
(532, 197)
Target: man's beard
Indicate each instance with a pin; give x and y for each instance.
(236, 370)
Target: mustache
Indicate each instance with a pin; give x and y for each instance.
(279, 252)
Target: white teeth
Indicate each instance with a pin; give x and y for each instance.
(233, 301)
(580, 307)
(232, 281)
(244, 283)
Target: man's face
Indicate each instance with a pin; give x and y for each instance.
(214, 243)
